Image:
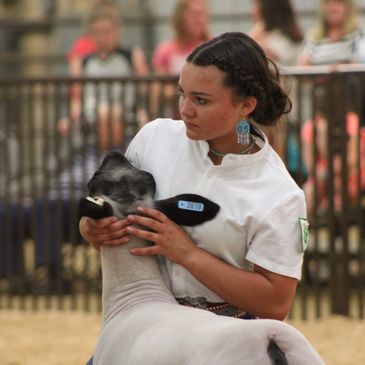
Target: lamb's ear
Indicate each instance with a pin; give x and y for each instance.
(188, 209)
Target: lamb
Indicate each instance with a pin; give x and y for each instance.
(142, 322)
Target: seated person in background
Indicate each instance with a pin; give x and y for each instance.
(103, 104)
(334, 39)
(278, 32)
(190, 22)
(80, 48)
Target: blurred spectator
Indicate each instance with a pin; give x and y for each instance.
(320, 164)
(103, 104)
(110, 59)
(80, 48)
(276, 30)
(190, 23)
(334, 39)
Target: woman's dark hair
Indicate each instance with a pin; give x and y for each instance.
(247, 71)
(280, 15)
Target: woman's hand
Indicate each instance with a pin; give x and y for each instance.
(234, 285)
(107, 231)
(169, 239)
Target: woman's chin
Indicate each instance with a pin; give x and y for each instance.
(193, 135)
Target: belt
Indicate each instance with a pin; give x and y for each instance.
(220, 308)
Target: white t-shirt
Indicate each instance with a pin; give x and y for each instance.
(260, 204)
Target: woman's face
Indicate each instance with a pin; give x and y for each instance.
(335, 12)
(207, 107)
(196, 19)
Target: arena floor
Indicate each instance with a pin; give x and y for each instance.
(68, 338)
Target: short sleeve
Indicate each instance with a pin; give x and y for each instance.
(82, 47)
(140, 144)
(278, 244)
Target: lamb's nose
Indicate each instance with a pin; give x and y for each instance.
(96, 200)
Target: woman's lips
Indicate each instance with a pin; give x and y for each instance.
(190, 125)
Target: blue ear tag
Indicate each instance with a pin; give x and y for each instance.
(243, 132)
(186, 205)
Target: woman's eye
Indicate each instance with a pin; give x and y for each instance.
(201, 101)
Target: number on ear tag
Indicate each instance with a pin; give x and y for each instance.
(186, 205)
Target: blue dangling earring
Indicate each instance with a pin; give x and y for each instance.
(243, 132)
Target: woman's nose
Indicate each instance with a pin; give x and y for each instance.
(186, 107)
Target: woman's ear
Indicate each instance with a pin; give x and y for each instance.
(248, 106)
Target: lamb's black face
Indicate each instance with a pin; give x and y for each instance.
(121, 182)
(122, 188)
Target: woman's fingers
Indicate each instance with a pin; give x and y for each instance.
(149, 218)
(153, 213)
(141, 233)
(106, 231)
(145, 251)
(99, 223)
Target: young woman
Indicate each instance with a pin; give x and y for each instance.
(250, 258)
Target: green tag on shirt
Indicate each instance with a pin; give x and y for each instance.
(304, 229)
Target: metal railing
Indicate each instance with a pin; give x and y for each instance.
(54, 131)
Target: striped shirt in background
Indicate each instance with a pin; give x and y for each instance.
(327, 51)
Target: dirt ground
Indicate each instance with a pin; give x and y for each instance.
(68, 338)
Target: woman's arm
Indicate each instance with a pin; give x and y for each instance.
(139, 62)
(75, 69)
(263, 293)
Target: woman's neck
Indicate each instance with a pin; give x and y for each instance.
(216, 154)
